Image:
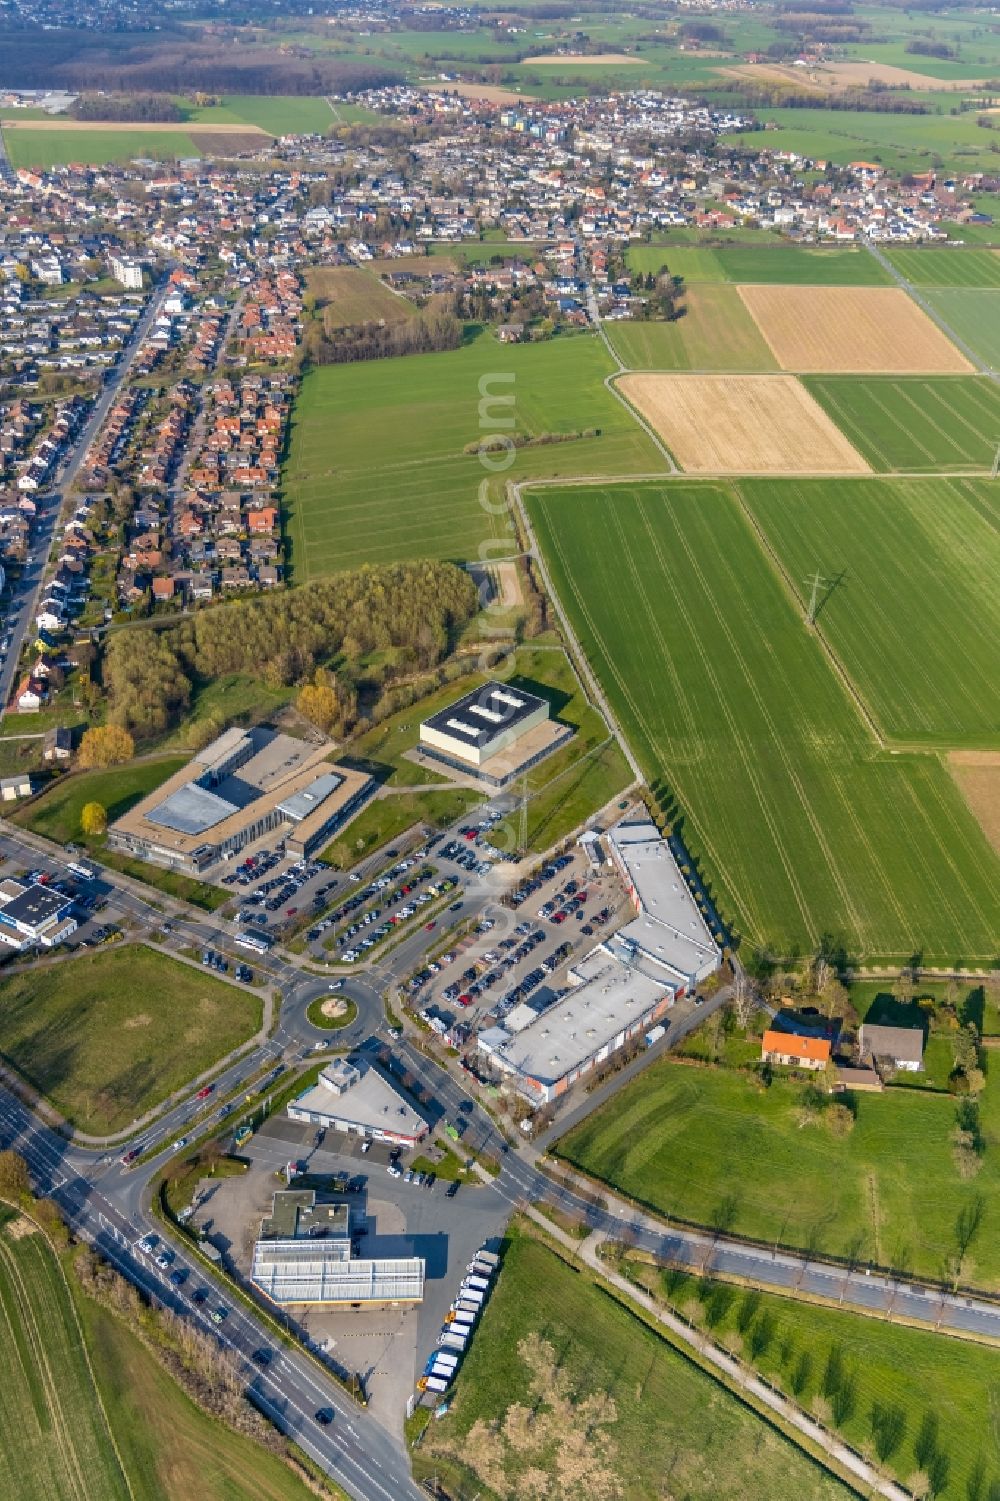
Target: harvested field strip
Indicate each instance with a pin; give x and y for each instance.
(914, 423)
(799, 822)
(714, 332)
(911, 608)
(848, 330)
(742, 424)
(978, 776)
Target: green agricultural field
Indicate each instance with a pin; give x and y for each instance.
(282, 114)
(915, 423)
(112, 1032)
(351, 294)
(947, 268)
(973, 234)
(171, 1449)
(796, 265)
(377, 470)
(801, 825)
(696, 263)
(714, 332)
(553, 1343)
(903, 143)
(914, 1397)
(56, 148)
(55, 1442)
(913, 609)
(712, 1146)
(974, 317)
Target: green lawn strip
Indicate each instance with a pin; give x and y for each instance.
(56, 813)
(171, 1449)
(421, 495)
(53, 1430)
(973, 315)
(109, 1034)
(912, 1395)
(448, 1166)
(315, 1017)
(749, 739)
(171, 882)
(914, 423)
(656, 1414)
(715, 1146)
(388, 817)
(912, 609)
(946, 268)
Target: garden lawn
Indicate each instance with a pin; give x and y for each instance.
(377, 472)
(712, 1146)
(664, 1420)
(947, 268)
(801, 825)
(171, 1449)
(55, 1443)
(714, 332)
(388, 817)
(915, 1397)
(915, 423)
(56, 814)
(112, 1032)
(974, 316)
(911, 607)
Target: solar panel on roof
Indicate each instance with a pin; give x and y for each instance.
(472, 730)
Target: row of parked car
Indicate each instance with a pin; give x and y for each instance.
(526, 889)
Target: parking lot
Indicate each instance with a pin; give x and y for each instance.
(524, 954)
(389, 1217)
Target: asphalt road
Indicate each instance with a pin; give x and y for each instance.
(108, 1206)
(25, 595)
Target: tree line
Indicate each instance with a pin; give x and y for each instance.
(409, 610)
(379, 341)
(140, 107)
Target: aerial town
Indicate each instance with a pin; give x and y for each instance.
(499, 751)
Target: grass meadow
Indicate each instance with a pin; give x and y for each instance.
(56, 148)
(55, 1442)
(714, 332)
(915, 423)
(974, 316)
(915, 1397)
(553, 1341)
(280, 114)
(947, 268)
(56, 814)
(913, 610)
(903, 143)
(712, 1146)
(377, 470)
(111, 1032)
(794, 265)
(349, 295)
(801, 825)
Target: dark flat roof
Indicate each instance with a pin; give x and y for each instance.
(36, 904)
(479, 716)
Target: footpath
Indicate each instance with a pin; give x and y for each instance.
(734, 1375)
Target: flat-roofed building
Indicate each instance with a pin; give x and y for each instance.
(245, 785)
(304, 1256)
(32, 915)
(356, 1098)
(621, 987)
(494, 733)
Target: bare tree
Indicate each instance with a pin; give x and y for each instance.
(745, 997)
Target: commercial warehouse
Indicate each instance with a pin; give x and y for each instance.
(623, 986)
(356, 1098)
(245, 785)
(303, 1256)
(494, 733)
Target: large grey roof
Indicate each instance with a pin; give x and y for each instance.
(192, 809)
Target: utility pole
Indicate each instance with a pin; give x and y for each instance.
(996, 460)
(522, 832)
(818, 582)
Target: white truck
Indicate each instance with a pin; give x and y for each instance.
(490, 1257)
(453, 1339)
(473, 1281)
(463, 1305)
(433, 1384)
(445, 1360)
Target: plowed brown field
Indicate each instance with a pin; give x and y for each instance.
(851, 330)
(742, 424)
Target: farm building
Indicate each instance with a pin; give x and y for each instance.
(303, 1256)
(902, 1047)
(246, 784)
(619, 989)
(357, 1099)
(793, 1051)
(494, 733)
